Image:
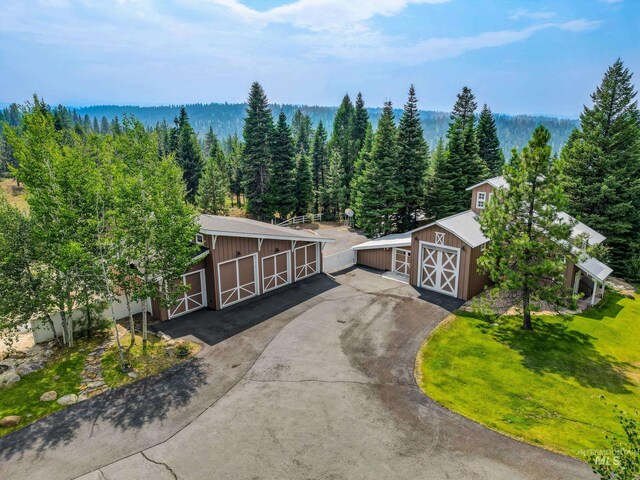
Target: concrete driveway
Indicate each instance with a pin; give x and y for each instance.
(312, 382)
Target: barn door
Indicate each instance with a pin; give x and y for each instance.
(276, 271)
(401, 261)
(306, 261)
(194, 298)
(237, 280)
(439, 269)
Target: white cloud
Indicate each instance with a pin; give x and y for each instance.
(524, 13)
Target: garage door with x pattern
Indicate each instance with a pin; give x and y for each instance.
(401, 261)
(275, 271)
(193, 298)
(306, 260)
(439, 269)
(237, 280)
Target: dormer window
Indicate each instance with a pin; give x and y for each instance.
(439, 238)
(199, 239)
(481, 199)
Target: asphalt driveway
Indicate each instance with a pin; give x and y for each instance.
(312, 382)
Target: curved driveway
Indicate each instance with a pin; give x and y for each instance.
(318, 384)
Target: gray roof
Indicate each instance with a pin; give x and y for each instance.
(496, 182)
(465, 225)
(579, 228)
(244, 227)
(595, 268)
(388, 241)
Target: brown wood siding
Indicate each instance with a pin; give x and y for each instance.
(570, 275)
(450, 240)
(477, 281)
(378, 258)
(486, 188)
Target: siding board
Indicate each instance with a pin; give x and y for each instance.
(378, 258)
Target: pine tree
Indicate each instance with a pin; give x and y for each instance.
(529, 243)
(281, 192)
(105, 128)
(359, 170)
(333, 193)
(439, 193)
(115, 127)
(488, 143)
(381, 189)
(360, 125)
(303, 185)
(302, 132)
(603, 168)
(464, 166)
(341, 143)
(186, 148)
(95, 125)
(319, 163)
(234, 148)
(213, 185)
(412, 162)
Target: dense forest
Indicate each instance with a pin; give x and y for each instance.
(227, 119)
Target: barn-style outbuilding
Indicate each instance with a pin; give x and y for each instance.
(240, 259)
(442, 256)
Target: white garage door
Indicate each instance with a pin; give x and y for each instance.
(194, 298)
(439, 268)
(276, 271)
(237, 280)
(401, 261)
(306, 261)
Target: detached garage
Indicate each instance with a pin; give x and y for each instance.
(389, 253)
(242, 258)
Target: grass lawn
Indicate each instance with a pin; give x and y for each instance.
(23, 397)
(555, 387)
(145, 363)
(14, 194)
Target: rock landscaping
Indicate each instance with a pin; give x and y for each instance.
(10, 421)
(67, 400)
(49, 396)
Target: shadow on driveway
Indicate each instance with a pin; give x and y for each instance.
(215, 326)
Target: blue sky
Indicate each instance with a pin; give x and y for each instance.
(518, 56)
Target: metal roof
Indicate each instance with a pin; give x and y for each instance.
(580, 228)
(464, 225)
(496, 182)
(244, 227)
(595, 268)
(388, 241)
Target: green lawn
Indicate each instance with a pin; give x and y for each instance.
(556, 387)
(23, 398)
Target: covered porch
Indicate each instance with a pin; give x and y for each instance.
(590, 278)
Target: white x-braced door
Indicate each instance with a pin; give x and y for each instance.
(194, 298)
(306, 260)
(439, 269)
(401, 261)
(276, 271)
(237, 280)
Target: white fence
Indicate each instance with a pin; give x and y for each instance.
(42, 331)
(338, 261)
(310, 217)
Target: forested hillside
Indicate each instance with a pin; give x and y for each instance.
(227, 119)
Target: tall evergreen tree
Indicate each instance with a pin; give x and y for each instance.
(440, 197)
(359, 170)
(303, 184)
(187, 151)
(341, 143)
(214, 183)
(529, 243)
(464, 166)
(257, 133)
(603, 168)
(115, 127)
(319, 163)
(281, 192)
(488, 143)
(95, 125)
(234, 147)
(412, 162)
(333, 194)
(302, 132)
(105, 128)
(381, 189)
(360, 125)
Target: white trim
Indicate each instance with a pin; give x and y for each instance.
(276, 275)
(200, 256)
(186, 296)
(199, 239)
(441, 248)
(273, 237)
(306, 266)
(383, 245)
(481, 201)
(214, 239)
(255, 282)
(440, 238)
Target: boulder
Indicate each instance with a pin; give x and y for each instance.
(9, 378)
(69, 399)
(49, 396)
(10, 421)
(132, 375)
(29, 367)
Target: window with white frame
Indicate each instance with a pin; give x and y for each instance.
(199, 238)
(439, 238)
(481, 199)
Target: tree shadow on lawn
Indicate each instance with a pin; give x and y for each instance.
(132, 407)
(553, 348)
